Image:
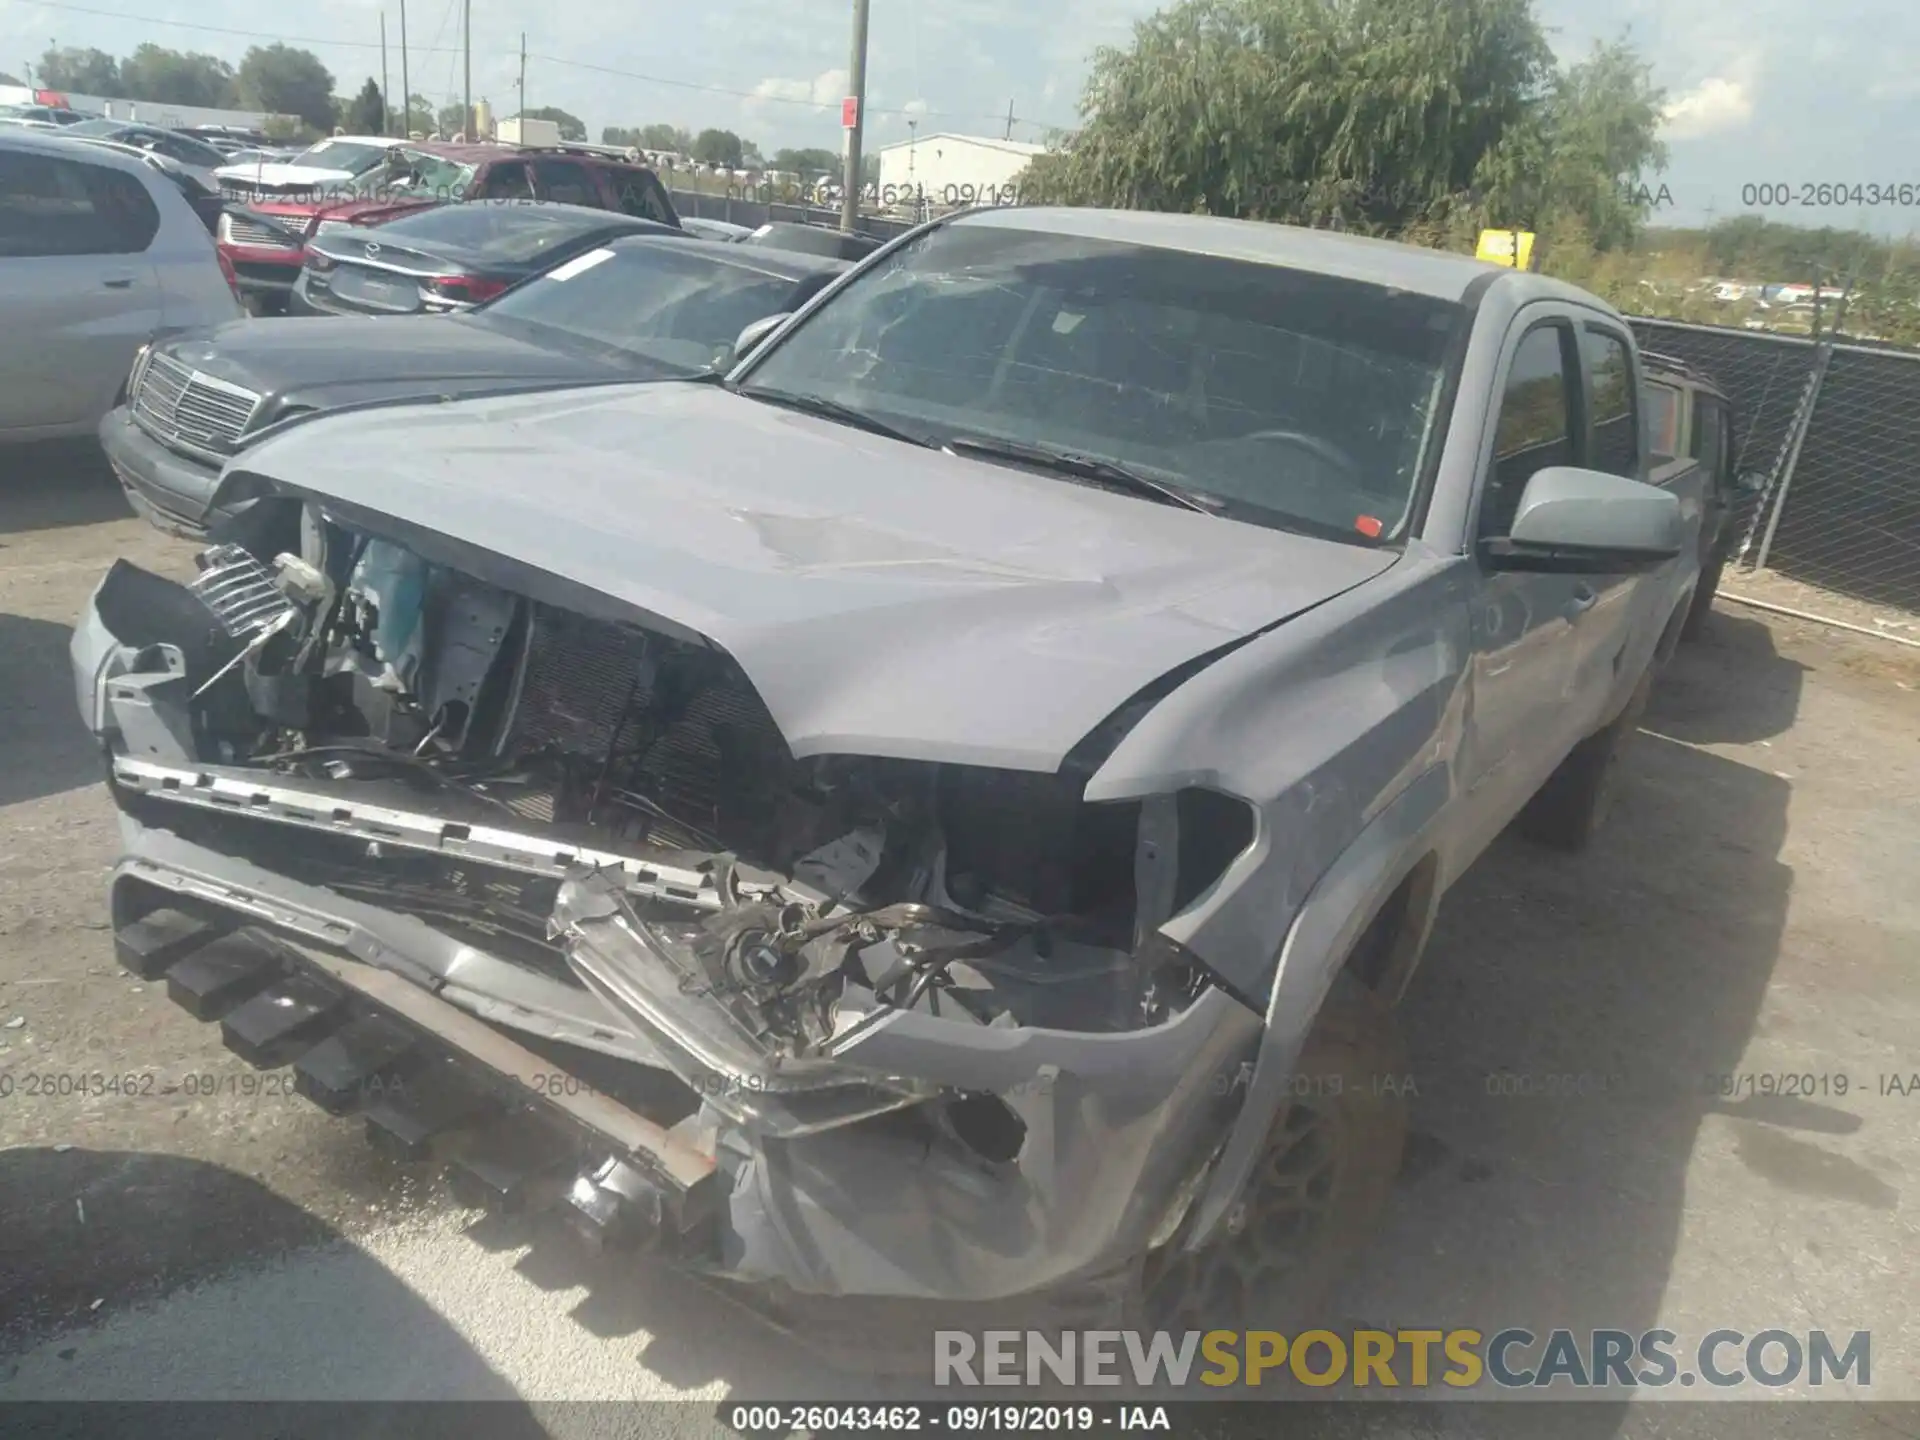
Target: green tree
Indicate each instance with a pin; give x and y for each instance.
(420, 116)
(451, 121)
(807, 162)
(718, 147)
(85, 72)
(283, 80)
(176, 77)
(6, 79)
(675, 138)
(1585, 149)
(572, 127)
(1384, 116)
(366, 114)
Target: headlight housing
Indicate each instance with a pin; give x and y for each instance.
(139, 370)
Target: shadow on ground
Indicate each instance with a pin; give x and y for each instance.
(46, 748)
(1567, 1028)
(90, 1233)
(54, 484)
(1731, 687)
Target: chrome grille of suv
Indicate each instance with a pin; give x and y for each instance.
(179, 404)
(243, 231)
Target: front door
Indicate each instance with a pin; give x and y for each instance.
(1520, 719)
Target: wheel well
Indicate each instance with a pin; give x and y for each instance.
(1384, 957)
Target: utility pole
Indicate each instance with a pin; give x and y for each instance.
(466, 44)
(1009, 134)
(406, 83)
(523, 74)
(386, 106)
(855, 123)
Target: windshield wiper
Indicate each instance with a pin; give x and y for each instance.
(830, 410)
(1085, 467)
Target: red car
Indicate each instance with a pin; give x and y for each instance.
(265, 240)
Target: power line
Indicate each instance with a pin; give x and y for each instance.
(216, 29)
(454, 50)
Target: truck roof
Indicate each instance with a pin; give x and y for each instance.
(1436, 273)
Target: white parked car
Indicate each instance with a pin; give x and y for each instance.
(325, 166)
(99, 252)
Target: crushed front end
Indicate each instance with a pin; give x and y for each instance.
(541, 890)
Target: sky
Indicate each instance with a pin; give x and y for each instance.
(1781, 93)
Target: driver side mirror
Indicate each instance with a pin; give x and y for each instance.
(751, 337)
(1573, 521)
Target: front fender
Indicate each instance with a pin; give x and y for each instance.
(1327, 926)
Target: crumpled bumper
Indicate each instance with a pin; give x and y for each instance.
(1033, 1161)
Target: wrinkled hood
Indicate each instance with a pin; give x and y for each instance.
(416, 353)
(884, 599)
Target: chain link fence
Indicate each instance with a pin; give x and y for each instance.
(1835, 427)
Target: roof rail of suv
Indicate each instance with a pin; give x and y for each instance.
(1660, 360)
(580, 147)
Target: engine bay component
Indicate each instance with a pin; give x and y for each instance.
(614, 807)
(241, 593)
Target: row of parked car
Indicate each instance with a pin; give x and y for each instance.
(957, 752)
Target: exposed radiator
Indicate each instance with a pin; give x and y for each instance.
(589, 692)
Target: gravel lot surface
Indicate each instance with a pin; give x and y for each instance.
(1753, 911)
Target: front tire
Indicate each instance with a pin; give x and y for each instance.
(1315, 1195)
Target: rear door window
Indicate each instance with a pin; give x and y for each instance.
(1665, 404)
(566, 182)
(1708, 432)
(54, 206)
(635, 192)
(506, 181)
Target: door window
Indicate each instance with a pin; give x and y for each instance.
(637, 193)
(566, 182)
(1708, 431)
(1536, 425)
(507, 182)
(1663, 421)
(54, 206)
(1615, 446)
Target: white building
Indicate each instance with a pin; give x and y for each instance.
(169, 117)
(953, 169)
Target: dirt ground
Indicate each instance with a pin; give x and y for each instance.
(1603, 1137)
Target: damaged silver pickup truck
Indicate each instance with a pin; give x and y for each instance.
(941, 814)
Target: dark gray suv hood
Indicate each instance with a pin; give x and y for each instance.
(884, 599)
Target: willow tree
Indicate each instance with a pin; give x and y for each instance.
(1374, 115)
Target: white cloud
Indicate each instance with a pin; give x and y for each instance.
(1711, 106)
(826, 88)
